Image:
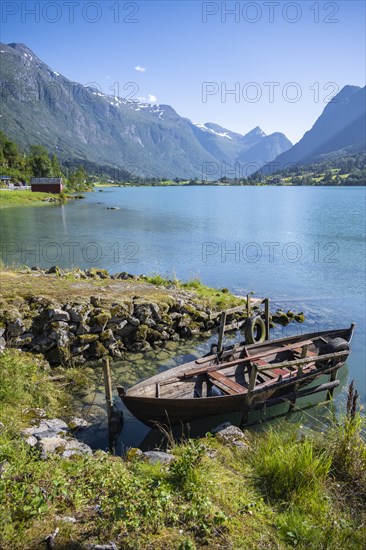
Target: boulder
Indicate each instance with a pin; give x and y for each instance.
(50, 436)
(58, 315)
(158, 457)
(79, 313)
(15, 327)
(226, 433)
(74, 447)
(50, 445)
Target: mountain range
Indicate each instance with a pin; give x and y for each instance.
(82, 124)
(128, 137)
(339, 130)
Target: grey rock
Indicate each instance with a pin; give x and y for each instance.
(77, 350)
(229, 434)
(79, 313)
(31, 440)
(74, 447)
(158, 457)
(2, 343)
(50, 445)
(53, 426)
(140, 346)
(78, 423)
(221, 427)
(58, 315)
(61, 337)
(175, 315)
(110, 546)
(115, 352)
(42, 343)
(53, 269)
(16, 327)
(126, 329)
(22, 340)
(83, 328)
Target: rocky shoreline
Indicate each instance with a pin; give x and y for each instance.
(74, 330)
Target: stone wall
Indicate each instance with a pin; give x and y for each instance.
(89, 330)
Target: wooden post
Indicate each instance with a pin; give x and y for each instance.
(221, 332)
(266, 313)
(109, 400)
(253, 371)
(333, 377)
(248, 305)
(108, 387)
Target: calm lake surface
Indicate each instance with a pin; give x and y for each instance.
(303, 247)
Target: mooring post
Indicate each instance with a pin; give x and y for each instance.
(266, 313)
(221, 332)
(108, 393)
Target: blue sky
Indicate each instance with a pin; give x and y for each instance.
(283, 60)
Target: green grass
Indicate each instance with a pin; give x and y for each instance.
(24, 198)
(290, 468)
(212, 297)
(25, 386)
(283, 490)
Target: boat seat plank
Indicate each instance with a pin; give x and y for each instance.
(234, 387)
(273, 351)
(309, 353)
(280, 372)
(277, 372)
(260, 363)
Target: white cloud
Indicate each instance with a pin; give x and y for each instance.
(140, 69)
(150, 99)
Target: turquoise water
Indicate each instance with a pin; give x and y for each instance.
(304, 247)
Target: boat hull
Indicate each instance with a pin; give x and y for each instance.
(154, 411)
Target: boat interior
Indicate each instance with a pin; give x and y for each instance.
(238, 370)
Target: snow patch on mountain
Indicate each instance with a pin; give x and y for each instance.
(204, 128)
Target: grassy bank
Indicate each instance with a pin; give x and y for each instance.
(26, 198)
(278, 490)
(18, 284)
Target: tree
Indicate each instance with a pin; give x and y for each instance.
(40, 162)
(56, 168)
(77, 179)
(9, 153)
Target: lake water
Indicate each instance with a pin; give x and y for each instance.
(303, 247)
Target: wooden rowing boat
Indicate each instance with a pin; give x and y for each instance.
(241, 378)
